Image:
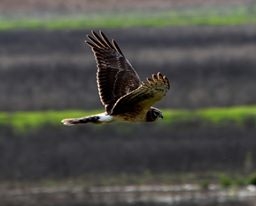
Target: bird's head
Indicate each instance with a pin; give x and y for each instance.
(153, 114)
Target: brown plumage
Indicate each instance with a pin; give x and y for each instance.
(121, 92)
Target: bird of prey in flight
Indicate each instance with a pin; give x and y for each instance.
(122, 93)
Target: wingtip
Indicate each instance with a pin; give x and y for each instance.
(167, 81)
(88, 38)
(93, 31)
(156, 77)
(89, 35)
(159, 75)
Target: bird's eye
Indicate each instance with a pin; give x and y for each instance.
(155, 113)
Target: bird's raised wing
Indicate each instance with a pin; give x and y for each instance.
(142, 98)
(115, 75)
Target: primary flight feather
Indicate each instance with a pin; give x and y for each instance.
(122, 93)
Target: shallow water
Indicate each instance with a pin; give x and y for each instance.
(180, 195)
(175, 195)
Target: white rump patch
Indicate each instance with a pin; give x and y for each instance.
(104, 117)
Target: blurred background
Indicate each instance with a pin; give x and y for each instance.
(202, 153)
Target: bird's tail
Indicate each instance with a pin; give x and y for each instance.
(82, 120)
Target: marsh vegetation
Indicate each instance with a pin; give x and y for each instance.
(205, 146)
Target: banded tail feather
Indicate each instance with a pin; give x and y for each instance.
(100, 118)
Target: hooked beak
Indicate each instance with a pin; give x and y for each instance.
(161, 116)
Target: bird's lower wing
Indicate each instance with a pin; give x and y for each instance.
(147, 94)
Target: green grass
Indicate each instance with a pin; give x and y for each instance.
(206, 16)
(23, 121)
(239, 116)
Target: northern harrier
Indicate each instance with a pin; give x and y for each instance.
(123, 95)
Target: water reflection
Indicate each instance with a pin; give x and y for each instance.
(179, 195)
(182, 195)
